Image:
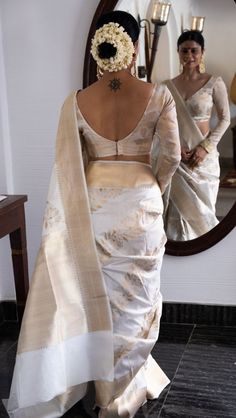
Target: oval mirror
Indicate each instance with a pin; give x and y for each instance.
(226, 202)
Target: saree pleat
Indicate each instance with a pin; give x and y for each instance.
(127, 221)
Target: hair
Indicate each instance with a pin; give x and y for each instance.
(124, 19)
(191, 35)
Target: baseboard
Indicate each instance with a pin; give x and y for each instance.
(1, 313)
(188, 313)
(8, 310)
(178, 313)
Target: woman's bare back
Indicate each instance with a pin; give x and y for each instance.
(114, 114)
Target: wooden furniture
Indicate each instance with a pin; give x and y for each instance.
(12, 223)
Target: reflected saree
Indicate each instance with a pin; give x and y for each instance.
(191, 196)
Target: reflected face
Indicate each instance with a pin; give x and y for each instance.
(190, 54)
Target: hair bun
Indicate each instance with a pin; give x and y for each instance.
(112, 47)
(106, 50)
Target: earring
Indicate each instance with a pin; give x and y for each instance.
(181, 68)
(202, 68)
(99, 72)
(134, 70)
(134, 67)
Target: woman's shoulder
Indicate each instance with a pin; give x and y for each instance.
(85, 93)
(163, 90)
(216, 82)
(213, 78)
(163, 96)
(217, 79)
(144, 87)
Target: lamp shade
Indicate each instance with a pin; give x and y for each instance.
(160, 12)
(198, 23)
(233, 90)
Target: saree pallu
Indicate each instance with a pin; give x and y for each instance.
(191, 196)
(126, 209)
(67, 320)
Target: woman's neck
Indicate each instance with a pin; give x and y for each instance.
(122, 74)
(115, 80)
(190, 74)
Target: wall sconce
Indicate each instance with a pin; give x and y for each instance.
(160, 14)
(197, 23)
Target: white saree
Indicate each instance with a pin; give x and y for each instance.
(192, 194)
(94, 304)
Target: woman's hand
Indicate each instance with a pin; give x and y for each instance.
(198, 155)
(186, 154)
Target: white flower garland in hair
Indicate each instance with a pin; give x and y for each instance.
(114, 34)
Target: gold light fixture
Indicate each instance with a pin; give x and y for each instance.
(197, 23)
(160, 14)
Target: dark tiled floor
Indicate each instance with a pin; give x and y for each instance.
(200, 361)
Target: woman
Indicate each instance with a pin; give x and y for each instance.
(94, 305)
(194, 187)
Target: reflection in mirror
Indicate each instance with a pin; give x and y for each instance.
(192, 193)
(166, 67)
(192, 196)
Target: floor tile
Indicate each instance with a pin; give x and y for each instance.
(8, 341)
(84, 408)
(205, 382)
(167, 352)
(152, 408)
(80, 411)
(171, 345)
(218, 335)
(3, 413)
(176, 333)
(7, 361)
(9, 331)
(199, 360)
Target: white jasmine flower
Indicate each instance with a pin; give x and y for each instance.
(115, 35)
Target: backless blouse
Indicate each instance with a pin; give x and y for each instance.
(158, 121)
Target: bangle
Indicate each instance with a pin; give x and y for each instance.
(207, 145)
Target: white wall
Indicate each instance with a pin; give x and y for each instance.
(6, 173)
(208, 277)
(43, 45)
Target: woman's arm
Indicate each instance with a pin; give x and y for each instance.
(168, 152)
(221, 102)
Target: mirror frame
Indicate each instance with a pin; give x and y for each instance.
(176, 248)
